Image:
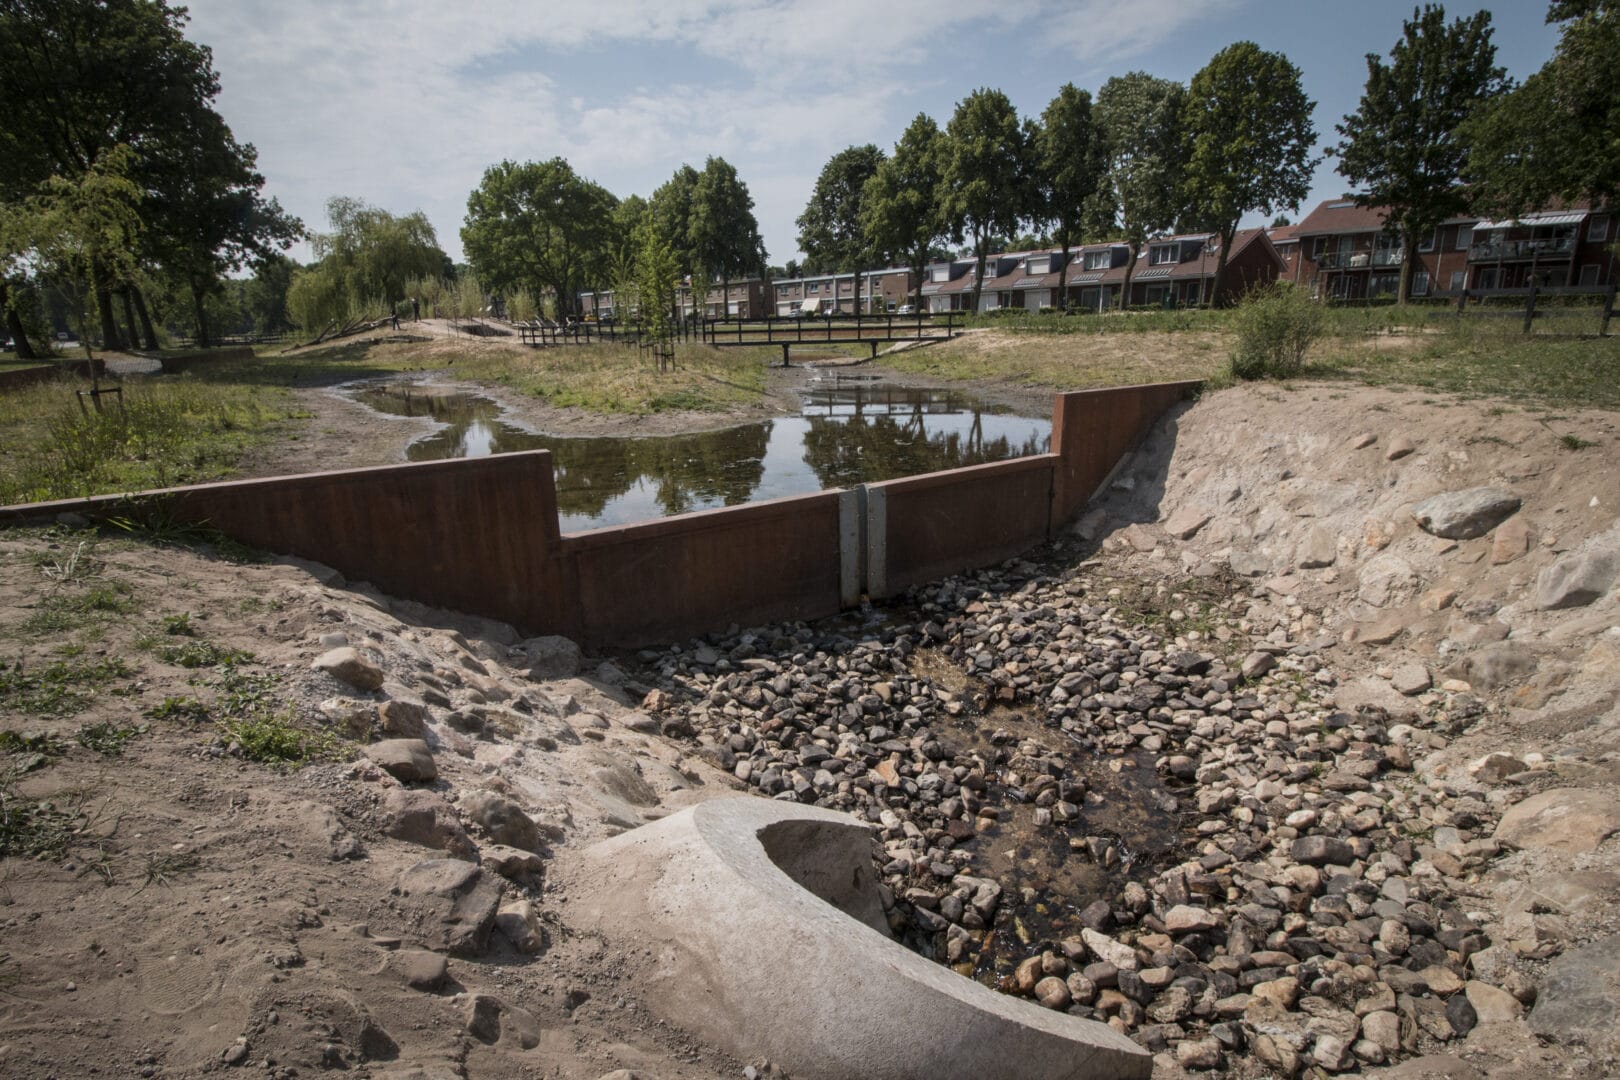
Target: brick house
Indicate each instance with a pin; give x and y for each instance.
(1088, 267)
(1179, 271)
(1346, 255)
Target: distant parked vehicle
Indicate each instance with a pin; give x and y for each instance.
(906, 309)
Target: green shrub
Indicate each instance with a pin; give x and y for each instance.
(1276, 327)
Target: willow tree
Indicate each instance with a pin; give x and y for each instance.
(1401, 146)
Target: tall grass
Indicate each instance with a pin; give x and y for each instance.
(162, 433)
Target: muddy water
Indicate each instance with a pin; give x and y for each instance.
(847, 432)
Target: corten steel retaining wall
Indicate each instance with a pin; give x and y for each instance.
(921, 528)
(476, 534)
(1092, 430)
(481, 534)
(660, 581)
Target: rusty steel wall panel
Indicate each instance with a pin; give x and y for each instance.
(477, 534)
(1093, 429)
(927, 527)
(661, 581)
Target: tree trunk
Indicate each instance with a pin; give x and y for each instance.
(129, 315)
(149, 339)
(204, 340)
(14, 326)
(1215, 298)
(919, 266)
(1409, 255)
(109, 324)
(980, 244)
(1130, 272)
(1063, 277)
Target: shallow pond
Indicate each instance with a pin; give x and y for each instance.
(847, 432)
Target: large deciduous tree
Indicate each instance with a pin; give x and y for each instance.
(1557, 135)
(830, 228)
(538, 225)
(1248, 125)
(900, 207)
(984, 181)
(722, 231)
(1070, 163)
(1140, 118)
(1401, 146)
(671, 207)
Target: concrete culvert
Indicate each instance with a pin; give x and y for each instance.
(768, 938)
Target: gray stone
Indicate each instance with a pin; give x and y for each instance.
(451, 905)
(1411, 679)
(1578, 578)
(1319, 549)
(1464, 515)
(1579, 1000)
(425, 818)
(422, 970)
(1494, 666)
(1400, 446)
(510, 862)
(1321, 850)
(347, 665)
(1495, 767)
(1257, 664)
(552, 657)
(1571, 820)
(1185, 522)
(408, 760)
(402, 719)
(1386, 579)
(1186, 919)
(503, 819)
(1492, 1005)
(1199, 1054)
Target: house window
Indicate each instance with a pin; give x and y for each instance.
(1098, 260)
(1465, 237)
(1457, 279)
(1318, 246)
(1430, 241)
(940, 273)
(1597, 230)
(1420, 283)
(1589, 274)
(1383, 284)
(1160, 254)
(1490, 277)
(1037, 267)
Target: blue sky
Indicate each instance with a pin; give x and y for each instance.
(405, 103)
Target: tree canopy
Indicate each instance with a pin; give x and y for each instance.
(1248, 125)
(1557, 135)
(1140, 118)
(722, 231)
(830, 232)
(900, 208)
(985, 175)
(1071, 160)
(1400, 146)
(539, 226)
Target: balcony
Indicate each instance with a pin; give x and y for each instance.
(1360, 260)
(1554, 249)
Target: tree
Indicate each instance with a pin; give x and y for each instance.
(1400, 145)
(82, 77)
(984, 180)
(1248, 124)
(1071, 160)
(671, 207)
(722, 231)
(264, 296)
(830, 228)
(1140, 118)
(538, 225)
(1557, 135)
(900, 206)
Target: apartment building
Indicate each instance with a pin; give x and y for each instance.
(879, 291)
(1345, 254)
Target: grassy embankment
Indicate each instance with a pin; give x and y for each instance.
(1420, 347)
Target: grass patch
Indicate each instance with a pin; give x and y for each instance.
(184, 709)
(33, 828)
(276, 740)
(1071, 361)
(61, 688)
(201, 654)
(108, 740)
(618, 379)
(166, 430)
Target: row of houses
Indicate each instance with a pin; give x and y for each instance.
(1339, 252)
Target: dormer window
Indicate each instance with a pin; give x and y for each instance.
(1039, 265)
(1099, 260)
(1159, 254)
(940, 273)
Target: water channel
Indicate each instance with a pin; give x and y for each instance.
(847, 432)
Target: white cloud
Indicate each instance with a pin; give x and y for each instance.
(405, 102)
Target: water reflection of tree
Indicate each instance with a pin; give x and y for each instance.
(866, 448)
(685, 471)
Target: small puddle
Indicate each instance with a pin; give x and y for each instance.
(848, 432)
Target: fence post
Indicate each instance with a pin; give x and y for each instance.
(1462, 299)
(1608, 308)
(1530, 307)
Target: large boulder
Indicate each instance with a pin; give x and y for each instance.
(503, 819)
(552, 657)
(1463, 515)
(1580, 999)
(1572, 820)
(407, 760)
(347, 665)
(450, 904)
(1579, 577)
(425, 818)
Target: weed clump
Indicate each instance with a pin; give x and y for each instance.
(1276, 326)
